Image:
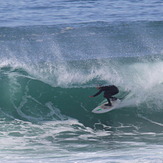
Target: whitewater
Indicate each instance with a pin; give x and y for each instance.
(54, 54)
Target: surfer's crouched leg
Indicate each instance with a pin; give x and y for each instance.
(109, 103)
(108, 96)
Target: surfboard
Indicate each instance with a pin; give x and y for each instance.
(103, 109)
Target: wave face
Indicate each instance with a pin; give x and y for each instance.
(48, 72)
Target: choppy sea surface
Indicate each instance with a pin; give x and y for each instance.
(54, 54)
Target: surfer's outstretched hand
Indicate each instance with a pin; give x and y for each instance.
(91, 96)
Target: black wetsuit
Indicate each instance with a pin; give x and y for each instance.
(109, 91)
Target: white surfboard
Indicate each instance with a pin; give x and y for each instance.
(103, 109)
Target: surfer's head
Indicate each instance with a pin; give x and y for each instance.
(98, 87)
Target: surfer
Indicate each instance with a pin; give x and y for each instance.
(109, 91)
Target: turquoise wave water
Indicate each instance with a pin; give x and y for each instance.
(47, 74)
(40, 97)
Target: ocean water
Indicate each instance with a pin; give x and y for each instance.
(54, 54)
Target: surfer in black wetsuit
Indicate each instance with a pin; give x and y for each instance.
(109, 91)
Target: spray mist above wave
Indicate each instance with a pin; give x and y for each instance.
(82, 41)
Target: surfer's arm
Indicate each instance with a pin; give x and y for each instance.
(99, 92)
